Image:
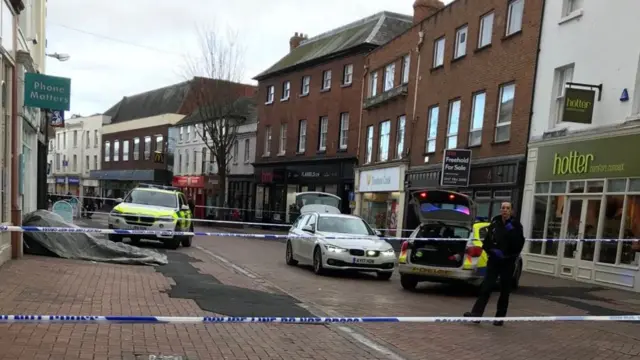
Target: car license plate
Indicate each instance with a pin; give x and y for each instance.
(431, 271)
(137, 227)
(363, 261)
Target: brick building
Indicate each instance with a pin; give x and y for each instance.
(476, 64)
(309, 110)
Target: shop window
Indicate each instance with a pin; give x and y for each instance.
(483, 209)
(611, 228)
(631, 230)
(590, 230)
(558, 187)
(554, 224)
(380, 211)
(617, 185)
(634, 185)
(537, 224)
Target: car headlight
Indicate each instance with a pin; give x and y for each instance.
(335, 249)
(166, 218)
(389, 252)
(115, 212)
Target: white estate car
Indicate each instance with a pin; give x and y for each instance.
(329, 240)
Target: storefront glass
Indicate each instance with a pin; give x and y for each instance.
(380, 210)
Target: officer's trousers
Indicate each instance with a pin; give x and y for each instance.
(504, 269)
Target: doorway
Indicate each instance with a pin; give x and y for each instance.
(581, 222)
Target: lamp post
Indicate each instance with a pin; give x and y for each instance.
(59, 56)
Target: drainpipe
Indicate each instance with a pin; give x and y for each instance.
(16, 213)
(364, 80)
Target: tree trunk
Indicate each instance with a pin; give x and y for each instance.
(222, 194)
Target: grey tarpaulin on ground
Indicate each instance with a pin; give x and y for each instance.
(82, 246)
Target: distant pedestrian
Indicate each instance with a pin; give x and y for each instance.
(503, 243)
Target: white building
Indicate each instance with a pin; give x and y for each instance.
(195, 170)
(73, 152)
(583, 175)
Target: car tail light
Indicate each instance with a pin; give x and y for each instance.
(405, 246)
(474, 251)
(423, 195)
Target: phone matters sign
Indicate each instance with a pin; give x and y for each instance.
(456, 168)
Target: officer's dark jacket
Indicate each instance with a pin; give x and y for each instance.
(507, 237)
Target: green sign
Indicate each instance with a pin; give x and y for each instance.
(47, 92)
(578, 105)
(600, 158)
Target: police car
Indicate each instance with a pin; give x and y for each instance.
(153, 207)
(446, 214)
(328, 240)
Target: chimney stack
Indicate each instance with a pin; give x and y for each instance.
(422, 9)
(295, 40)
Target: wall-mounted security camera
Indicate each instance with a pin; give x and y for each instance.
(34, 40)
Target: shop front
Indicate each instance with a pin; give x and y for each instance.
(277, 184)
(492, 181)
(584, 188)
(240, 196)
(73, 183)
(380, 198)
(61, 185)
(193, 188)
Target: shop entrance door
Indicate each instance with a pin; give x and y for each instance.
(581, 223)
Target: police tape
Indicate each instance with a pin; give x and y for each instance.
(295, 320)
(11, 228)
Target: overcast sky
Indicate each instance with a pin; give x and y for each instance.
(124, 47)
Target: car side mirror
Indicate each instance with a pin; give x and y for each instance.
(119, 200)
(308, 228)
(378, 233)
(185, 207)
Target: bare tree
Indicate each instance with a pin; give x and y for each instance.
(222, 103)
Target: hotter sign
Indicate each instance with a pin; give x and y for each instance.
(456, 167)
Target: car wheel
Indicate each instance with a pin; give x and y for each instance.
(408, 282)
(173, 243)
(115, 238)
(186, 241)
(384, 275)
(515, 282)
(289, 255)
(317, 261)
(135, 240)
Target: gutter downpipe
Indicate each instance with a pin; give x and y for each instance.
(533, 95)
(364, 80)
(16, 212)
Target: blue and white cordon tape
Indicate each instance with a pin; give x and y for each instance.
(292, 320)
(10, 228)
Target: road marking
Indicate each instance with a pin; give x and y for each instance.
(314, 309)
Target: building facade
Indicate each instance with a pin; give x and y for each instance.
(74, 151)
(309, 110)
(476, 64)
(583, 181)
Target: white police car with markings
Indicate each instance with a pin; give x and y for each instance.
(328, 240)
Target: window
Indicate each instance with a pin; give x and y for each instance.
(570, 6)
(96, 140)
(306, 85)
(271, 93)
(563, 76)
(75, 163)
(486, 30)
(383, 140)
(461, 42)
(477, 119)
(236, 150)
(267, 141)
(186, 161)
(247, 151)
(147, 147)
(125, 150)
(432, 129)
(116, 150)
(58, 141)
(64, 140)
(373, 84)
(152, 198)
(406, 62)
(159, 143)
(505, 111)
(324, 128)
(286, 90)
(302, 136)
(344, 130)
(87, 135)
(389, 76)
(59, 161)
(283, 139)
(204, 153)
(514, 17)
(188, 135)
(326, 80)
(181, 136)
(369, 149)
(438, 52)
(400, 136)
(87, 163)
(95, 162)
(136, 149)
(347, 74)
(179, 162)
(195, 160)
(75, 138)
(454, 124)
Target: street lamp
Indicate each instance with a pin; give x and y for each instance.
(59, 57)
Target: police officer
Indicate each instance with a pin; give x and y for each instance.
(503, 243)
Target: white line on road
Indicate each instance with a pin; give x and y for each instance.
(315, 309)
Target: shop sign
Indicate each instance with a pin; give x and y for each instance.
(188, 181)
(47, 92)
(60, 180)
(578, 105)
(73, 181)
(456, 168)
(380, 180)
(600, 158)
